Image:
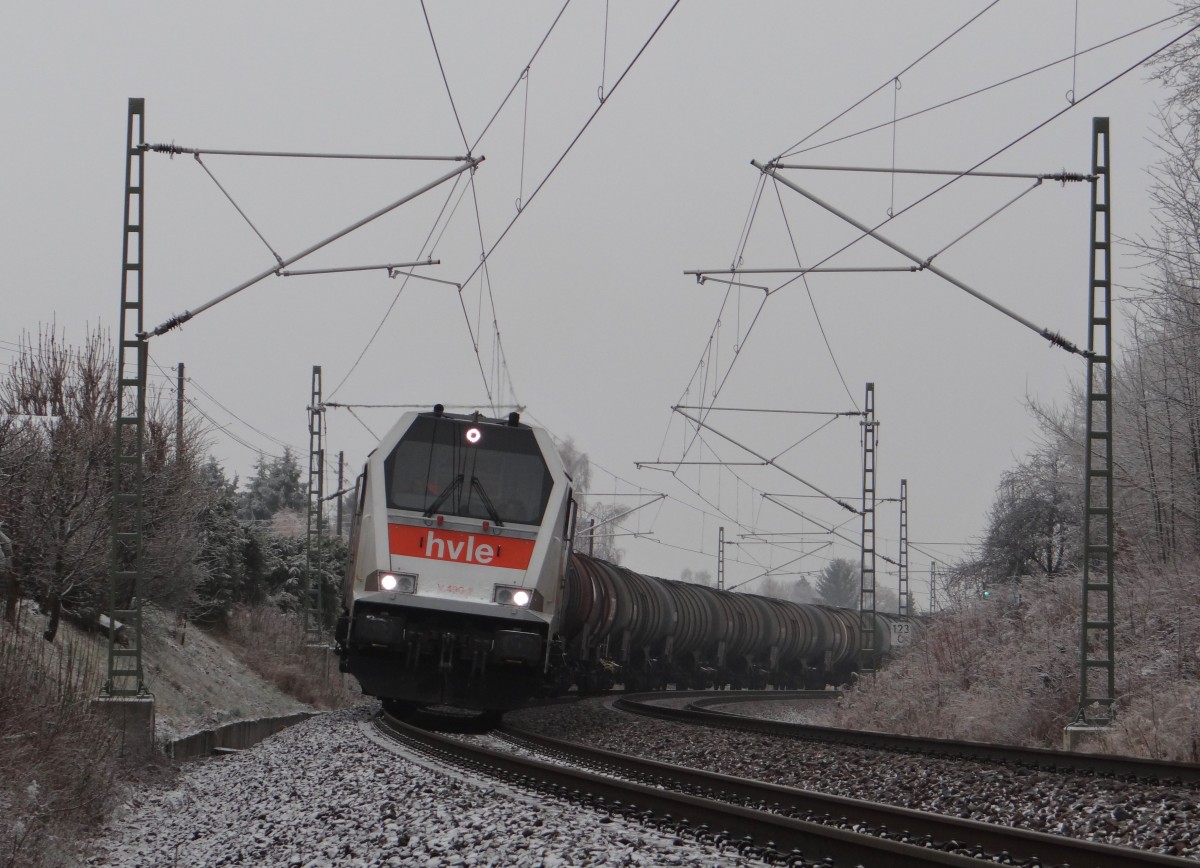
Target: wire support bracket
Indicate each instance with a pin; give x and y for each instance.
(701, 424)
(390, 267)
(187, 315)
(1062, 176)
(703, 275)
(174, 150)
(1053, 337)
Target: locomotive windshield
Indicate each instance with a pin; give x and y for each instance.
(457, 467)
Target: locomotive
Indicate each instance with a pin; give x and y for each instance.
(462, 588)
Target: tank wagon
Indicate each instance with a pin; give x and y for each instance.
(462, 588)
(648, 632)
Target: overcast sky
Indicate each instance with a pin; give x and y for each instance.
(601, 333)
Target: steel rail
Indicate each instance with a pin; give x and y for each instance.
(755, 833)
(1019, 845)
(1120, 767)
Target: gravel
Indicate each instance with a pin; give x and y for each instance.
(330, 792)
(1159, 818)
(326, 792)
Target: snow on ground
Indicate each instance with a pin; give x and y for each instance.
(198, 683)
(326, 793)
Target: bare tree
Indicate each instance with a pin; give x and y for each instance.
(600, 542)
(578, 467)
(600, 539)
(56, 461)
(61, 401)
(1033, 526)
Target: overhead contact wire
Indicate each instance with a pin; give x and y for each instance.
(484, 279)
(512, 89)
(870, 232)
(604, 54)
(574, 141)
(812, 302)
(906, 69)
(702, 368)
(1074, 55)
(1034, 71)
(387, 313)
(445, 81)
(171, 381)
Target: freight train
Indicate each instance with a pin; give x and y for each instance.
(462, 588)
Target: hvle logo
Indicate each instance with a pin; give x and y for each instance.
(462, 550)
(482, 549)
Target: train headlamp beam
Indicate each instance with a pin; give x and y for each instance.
(1053, 337)
(180, 319)
(764, 459)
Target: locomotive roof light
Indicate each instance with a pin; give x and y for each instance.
(474, 435)
(388, 582)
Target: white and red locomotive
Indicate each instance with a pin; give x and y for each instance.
(462, 588)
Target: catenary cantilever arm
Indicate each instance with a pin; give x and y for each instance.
(1052, 336)
(180, 319)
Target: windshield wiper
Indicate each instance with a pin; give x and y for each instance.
(476, 485)
(444, 496)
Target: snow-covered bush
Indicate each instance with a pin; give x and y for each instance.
(1007, 669)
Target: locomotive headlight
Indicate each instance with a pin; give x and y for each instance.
(474, 435)
(401, 583)
(519, 597)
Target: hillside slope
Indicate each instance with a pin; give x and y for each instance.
(196, 678)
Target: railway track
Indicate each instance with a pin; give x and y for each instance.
(779, 825)
(699, 710)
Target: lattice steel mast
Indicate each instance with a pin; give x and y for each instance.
(1097, 689)
(902, 567)
(314, 609)
(721, 560)
(933, 587)
(866, 607)
(125, 675)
